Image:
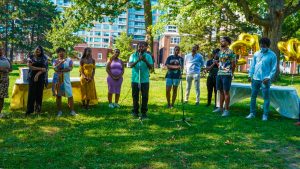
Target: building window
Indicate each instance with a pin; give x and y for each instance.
(249, 61)
(97, 39)
(131, 16)
(115, 27)
(122, 21)
(99, 55)
(106, 19)
(122, 27)
(139, 37)
(106, 40)
(140, 24)
(98, 26)
(171, 50)
(79, 55)
(105, 26)
(140, 31)
(175, 40)
(105, 45)
(106, 34)
(131, 23)
(171, 29)
(97, 45)
(115, 34)
(139, 17)
(91, 40)
(130, 31)
(98, 33)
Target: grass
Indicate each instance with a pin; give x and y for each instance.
(106, 138)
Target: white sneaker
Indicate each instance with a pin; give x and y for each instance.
(264, 117)
(111, 105)
(116, 105)
(59, 113)
(250, 116)
(225, 113)
(73, 113)
(217, 110)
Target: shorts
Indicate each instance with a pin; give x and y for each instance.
(224, 82)
(172, 82)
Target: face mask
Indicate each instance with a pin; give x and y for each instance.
(263, 50)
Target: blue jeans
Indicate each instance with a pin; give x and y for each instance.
(172, 82)
(256, 86)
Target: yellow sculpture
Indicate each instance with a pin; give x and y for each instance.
(244, 43)
(290, 49)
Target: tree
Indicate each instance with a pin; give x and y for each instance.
(84, 13)
(200, 22)
(123, 43)
(291, 27)
(148, 23)
(62, 35)
(23, 24)
(268, 15)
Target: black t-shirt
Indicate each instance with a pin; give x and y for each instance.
(174, 60)
(214, 70)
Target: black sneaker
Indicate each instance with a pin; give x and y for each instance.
(135, 115)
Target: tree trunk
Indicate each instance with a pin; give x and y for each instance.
(274, 34)
(148, 24)
(32, 38)
(274, 30)
(11, 55)
(6, 31)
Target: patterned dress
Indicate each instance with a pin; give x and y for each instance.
(4, 78)
(88, 89)
(61, 85)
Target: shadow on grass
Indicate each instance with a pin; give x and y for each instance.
(111, 138)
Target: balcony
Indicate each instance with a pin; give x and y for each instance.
(139, 19)
(139, 26)
(122, 23)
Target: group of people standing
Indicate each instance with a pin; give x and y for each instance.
(220, 66)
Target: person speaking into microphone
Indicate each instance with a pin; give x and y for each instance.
(141, 64)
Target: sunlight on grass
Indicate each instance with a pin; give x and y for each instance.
(137, 147)
(93, 133)
(50, 130)
(209, 136)
(159, 165)
(111, 138)
(295, 138)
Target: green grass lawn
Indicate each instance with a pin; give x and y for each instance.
(111, 138)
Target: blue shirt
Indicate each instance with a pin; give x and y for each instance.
(263, 65)
(140, 72)
(194, 63)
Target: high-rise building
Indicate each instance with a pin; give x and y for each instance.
(61, 4)
(102, 34)
(136, 21)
